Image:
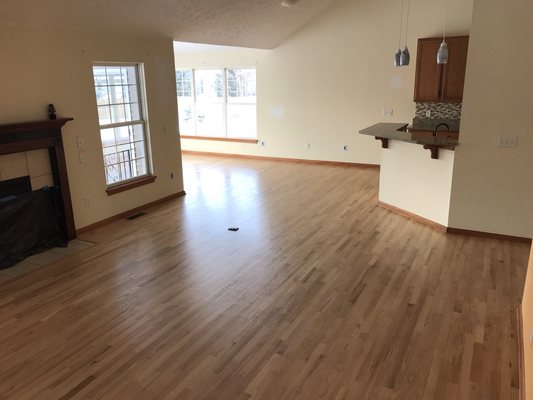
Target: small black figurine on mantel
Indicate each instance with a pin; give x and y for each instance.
(51, 112)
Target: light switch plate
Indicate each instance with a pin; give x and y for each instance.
(82, 154)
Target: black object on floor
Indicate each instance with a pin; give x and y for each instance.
(29, 224)
(233, 229)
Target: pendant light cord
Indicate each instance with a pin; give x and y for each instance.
(445, 20)
(407, 21)
(401, 23)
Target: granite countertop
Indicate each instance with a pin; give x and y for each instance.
(385, 128)
(397, 131)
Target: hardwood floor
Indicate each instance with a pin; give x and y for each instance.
(321, 294)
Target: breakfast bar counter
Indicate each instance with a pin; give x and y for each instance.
(386, 131)
(410, 182)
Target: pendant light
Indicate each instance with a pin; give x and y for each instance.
(405, 57)
(442, 54)
(398, 54)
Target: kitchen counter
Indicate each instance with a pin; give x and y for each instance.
(386, 131)
(385, 128)
(410, 182)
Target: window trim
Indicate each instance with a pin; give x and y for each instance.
(149, 176)
(220, 139)
(225, 104)
(122, 186)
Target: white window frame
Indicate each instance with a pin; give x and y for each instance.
(143, 120)
(224, 97)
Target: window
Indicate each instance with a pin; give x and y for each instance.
(121, 115)
(217, 102)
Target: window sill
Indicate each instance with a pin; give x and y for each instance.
(220, 139)
(121, 187)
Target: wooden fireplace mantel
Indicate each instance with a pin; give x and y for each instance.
(34, 125)
(45, 134)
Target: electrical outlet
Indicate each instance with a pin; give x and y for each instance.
(308, 146)
(344, 147)
(388, 112)
(86, 201)
(428, 113)
(507, 141)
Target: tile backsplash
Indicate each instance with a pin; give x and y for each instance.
(439, 110)
(35, 163)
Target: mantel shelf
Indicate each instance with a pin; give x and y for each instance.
(32, 126)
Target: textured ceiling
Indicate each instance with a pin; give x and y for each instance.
(248, 23)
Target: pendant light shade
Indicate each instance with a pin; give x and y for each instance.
(405, 57)
(397, 58)
(442, 54)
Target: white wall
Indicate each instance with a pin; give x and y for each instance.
(332, 79)
(492, 187)
(410, 179)
(47, 66)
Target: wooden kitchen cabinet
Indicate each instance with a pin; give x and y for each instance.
(443, 82)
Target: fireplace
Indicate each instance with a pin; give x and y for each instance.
(12, 187)
(45, 134)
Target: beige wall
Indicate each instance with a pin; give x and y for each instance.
(412, 180)
(492, 187)
(527, 315)
(46, 66)
(333, 78)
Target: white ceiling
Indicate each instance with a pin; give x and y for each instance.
(248, 23)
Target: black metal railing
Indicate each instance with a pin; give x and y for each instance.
(120, 166)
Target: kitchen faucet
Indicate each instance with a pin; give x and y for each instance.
(438, 126)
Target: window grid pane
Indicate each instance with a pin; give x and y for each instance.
(242, 121)
(209, 85)
(118, 102)
(241, 85)
(217, 103)
(184, 82)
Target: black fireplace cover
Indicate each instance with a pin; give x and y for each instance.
(29, 224)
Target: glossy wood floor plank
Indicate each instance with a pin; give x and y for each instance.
(321, 294)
